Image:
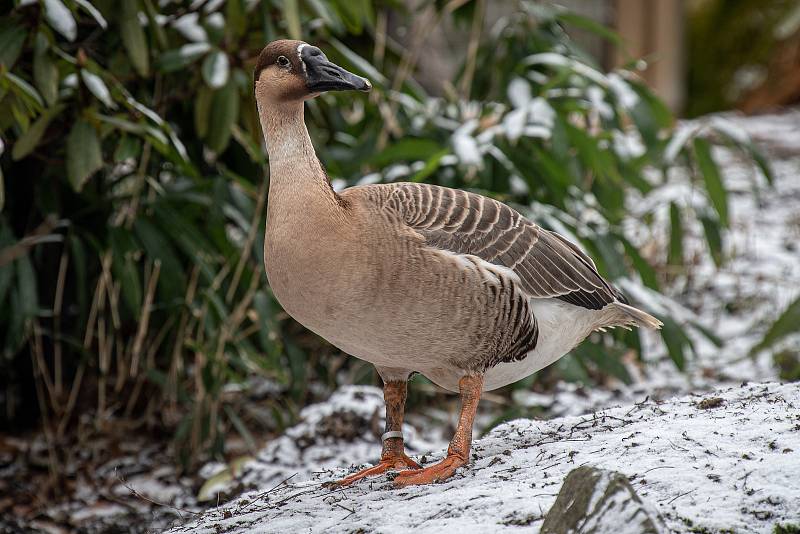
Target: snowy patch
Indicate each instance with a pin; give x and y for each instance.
(731, 464)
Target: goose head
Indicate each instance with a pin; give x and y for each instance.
(295, 71)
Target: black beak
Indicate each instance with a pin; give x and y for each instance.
(322, 75)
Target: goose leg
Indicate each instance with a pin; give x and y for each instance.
(470, 388)
(393, 456)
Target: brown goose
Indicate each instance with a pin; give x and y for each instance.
(414, 277)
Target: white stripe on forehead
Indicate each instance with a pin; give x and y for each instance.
(300, 56)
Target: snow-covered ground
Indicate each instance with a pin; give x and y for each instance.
(728, 462)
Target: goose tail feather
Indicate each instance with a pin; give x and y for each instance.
(627, 314)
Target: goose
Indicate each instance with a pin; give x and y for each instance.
(415, 278)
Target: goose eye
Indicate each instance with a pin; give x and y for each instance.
(283, 61)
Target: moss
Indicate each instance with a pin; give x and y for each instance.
(786, 528)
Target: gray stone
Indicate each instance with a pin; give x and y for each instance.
(597, 501)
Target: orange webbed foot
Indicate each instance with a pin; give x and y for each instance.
(435, 473)
(392, 463)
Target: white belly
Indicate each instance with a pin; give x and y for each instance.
(561, 327)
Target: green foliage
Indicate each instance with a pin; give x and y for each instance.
(131, 239)
(785, 325)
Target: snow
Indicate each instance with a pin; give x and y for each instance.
(189, 26)
(94, 12)
(219, 67)
(732, 463)
(60, 18)
(98, 87)
(193, 50)
(558, 60)
(623, 92)
(519, 92)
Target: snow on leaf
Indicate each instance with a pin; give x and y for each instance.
(623, 92)
(60, 18)
(514, 123)
(193, 50)
(189, 27)
(87, 5)
(465, 146)
(98, 87)
(372, 178)
(628, 145)
(597, 100)
(730, 129)
(519, 92)
(557, 60)
(537, 131)
(70, 80)
(216, 69)
(678, 141)
(541, 112)
(216, 21)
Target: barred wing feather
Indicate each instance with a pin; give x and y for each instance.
(547, 264)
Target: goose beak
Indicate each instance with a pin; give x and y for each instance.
(323, 75)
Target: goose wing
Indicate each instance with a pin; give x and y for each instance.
(547, 265)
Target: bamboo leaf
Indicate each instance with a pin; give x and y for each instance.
(7, 270)
(787, 323)
(430, 166)
(133, 37)
(291, 13)
(45, 71)
(236, 19)
(358, 63)
(129, 147)
(406, 149)
(84, 156)
(608, 362)
(590, 25)
(223, 114)
(714, 186)
(241, 428)
(202, 109)
(713, 237)
(26, 285)
(124, 269)
(645, 270)
(30, 139)
(172, 280)
(25, 91)
(761, 163)
(12, 37)
(675, 253)
(675, 340)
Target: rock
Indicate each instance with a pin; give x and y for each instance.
(597, 501)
